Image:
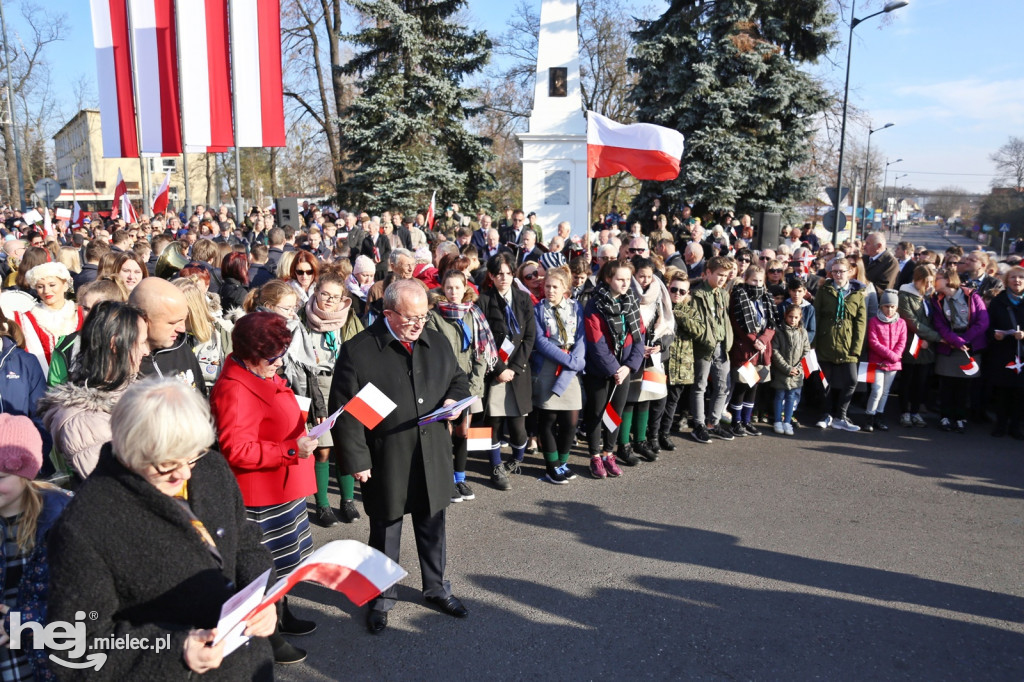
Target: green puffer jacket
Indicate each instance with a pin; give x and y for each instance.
(680, 356)
(698, 319)
(912, 309)
(789, 346)
(474, 367)
(840, 341)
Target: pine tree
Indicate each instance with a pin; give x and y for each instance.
(726, 74)
(406, 131)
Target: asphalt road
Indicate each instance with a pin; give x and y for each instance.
(826, 555)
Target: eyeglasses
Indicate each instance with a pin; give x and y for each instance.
(274, 359)
(637, 250)
(678, 290)
(191, 464)
(764, 258)
(776, 271)
(743, 260)
(411, 321)
(839, 272)
(529, 277)
(285, 310)
(303, 273)
(328, 297)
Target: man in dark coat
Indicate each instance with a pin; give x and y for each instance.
(403, 468)
(880, 266)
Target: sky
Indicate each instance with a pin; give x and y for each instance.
(942, 71)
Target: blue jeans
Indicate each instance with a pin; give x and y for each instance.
(786, 400)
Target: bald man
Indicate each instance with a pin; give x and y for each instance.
(880, 266)
(165, 309)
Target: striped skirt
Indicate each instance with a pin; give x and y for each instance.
(286, 533)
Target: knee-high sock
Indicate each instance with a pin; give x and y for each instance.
(626, 426)
(347, 485)
(322, 471)
(641, 421)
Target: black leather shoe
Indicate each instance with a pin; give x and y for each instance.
(284, 652)
(450, 605)
(665, 443)
(376, 621)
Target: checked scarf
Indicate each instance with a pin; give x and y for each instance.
(622, 315)
(485, 346)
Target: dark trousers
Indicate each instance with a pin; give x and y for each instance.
(675, 395)
(599, 438)
(842, 383)
(914, 387)
(386, 536)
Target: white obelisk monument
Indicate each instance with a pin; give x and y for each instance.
(555, 183)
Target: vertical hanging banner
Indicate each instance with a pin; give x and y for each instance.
(206, 75)
(114, 78)
(203, 122)
(256, 61)
(156, 62)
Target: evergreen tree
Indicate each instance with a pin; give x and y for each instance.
(726, 74)
(406, 132)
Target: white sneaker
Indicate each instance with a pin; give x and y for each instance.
(845, 425)
(778, 428)
(905, 419)
(918, 420)
(787, 429)
(825, 422)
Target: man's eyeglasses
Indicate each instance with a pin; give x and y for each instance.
(412, 321)
(764, 258)
(839, 272)
(191, 464)
(328, 297)
(743, 260)
(635, 250)
(678, 290)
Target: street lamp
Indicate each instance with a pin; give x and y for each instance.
(889, 7)
(885, 178)
(895, 191)
(867, 166)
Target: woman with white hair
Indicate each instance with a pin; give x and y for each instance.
(157, 542)
(54, 316)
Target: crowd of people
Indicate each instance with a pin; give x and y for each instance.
(168, 372)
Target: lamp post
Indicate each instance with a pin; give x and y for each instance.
(867, 168)
(885, 179)
(889, 7)
(896, 192)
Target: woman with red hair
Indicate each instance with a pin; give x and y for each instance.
(235, 270)
(262, 430)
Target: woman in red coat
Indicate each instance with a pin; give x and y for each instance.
(261, 431)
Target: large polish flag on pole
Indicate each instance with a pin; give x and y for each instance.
(644, 150)
(206, 75)
(256, 60)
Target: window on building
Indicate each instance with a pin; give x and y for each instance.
(558, 81)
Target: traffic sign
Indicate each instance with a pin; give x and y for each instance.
(1005, 227)
(829, 221)
(831, 192)
(48, 190)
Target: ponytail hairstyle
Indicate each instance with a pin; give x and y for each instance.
(268, 295)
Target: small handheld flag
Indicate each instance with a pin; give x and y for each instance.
(866, 372)
(915, 346)
(478, 439)
(506, 349)
(748, 373)
(971, 368)
(370, 406)
(611, 418)
(809, 363)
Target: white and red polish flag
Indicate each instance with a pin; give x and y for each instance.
(128, 212)
(478, 438)
(972, 367)
(370, 406)
(915, 346)
(431, 211)
(206, 75)
(866, 372)
(611, 418)
(654, 383)
(809, 363)
(120, 189)
(76, 215)
(644, 150)
(256, 61)
(114, 76)
(506, 349)
(162, 195)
